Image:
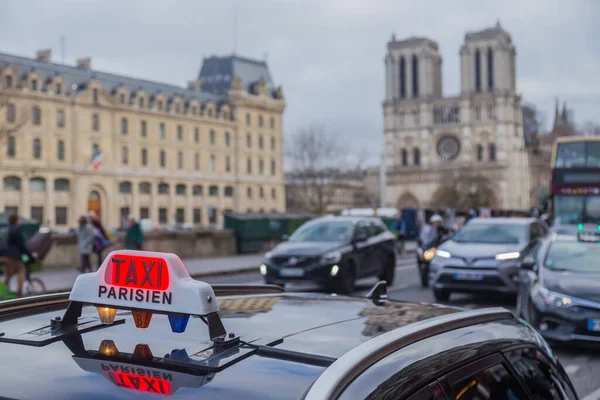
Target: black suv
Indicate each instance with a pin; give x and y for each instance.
(335, 252)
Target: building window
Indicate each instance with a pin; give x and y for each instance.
(490, 69)
(261, 167)
(60, 215)
(180, 216)
(479, 152)
(11, 148)
(124, 215)
(249, 192)
(212, 215)
(60, 150)
(10, 112)
(62, 185)
(8, 82)
(122, 98)
(161, 131)
(180, 190)
(404, 157)
(225, 115)
(177, 108)
(179, 133)
(272, 144)
(163, 159)
(402, 77)
(141, 101)
(196, 135)
(490, 111)
(273, 193)
(95, 150)
(260, 121)
(194, 110)
(260, 142)
(159, 105)
(180, 160)
(124, 155)
(212, 137)
(227, 164)
(12, 184)
(213, 191)
(228, 191)
(37, 214)
(197, 190)
(125, 187)
(261, 192)
(143, 128)
(249, 166)
(477, 71)
(124, 126)
(162, 215)
(272, 123)
(144, 157)
(227, 139)
(415, 76)
(58, 88)
(197, 216)
(273, 167)
(477, 113)
(95, 95)
(248, 141)
(417, 156)
(34, 85)
(212, 166)
(163, 188)
(492, 151)
(36, 115)
(196, 161)
(209, 112)
(144, 213)
(145, 188)
(37, 149)
(60, 118)
(95, 123)
(37, 185)
(248, 119)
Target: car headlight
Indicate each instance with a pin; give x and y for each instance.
(443, 254)
(429, 254)
(268, 255)
(508, 256)
(331, 258)
(263, 269)
(554, 299)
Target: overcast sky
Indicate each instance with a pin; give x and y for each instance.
(327, 54)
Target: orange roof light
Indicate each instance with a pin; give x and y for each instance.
(142, 319)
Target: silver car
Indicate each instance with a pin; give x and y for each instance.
(484, 256)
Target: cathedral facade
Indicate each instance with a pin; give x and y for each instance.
(473, 142)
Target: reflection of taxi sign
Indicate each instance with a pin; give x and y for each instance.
(588, 236)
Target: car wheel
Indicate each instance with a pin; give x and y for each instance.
(424, 274)
(347, 279)
(441, 295)
(389, 270)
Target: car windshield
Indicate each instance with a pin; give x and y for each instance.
(326, 231)
(491, 233)
(574, 257)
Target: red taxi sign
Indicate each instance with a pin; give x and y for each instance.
(145, 280)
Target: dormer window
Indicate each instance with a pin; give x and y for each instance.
(209, 112)
(122, 98)
(159, 105)
(8, 82)
(141, 102)
(34, 85)
(58, 88)
(177, 108)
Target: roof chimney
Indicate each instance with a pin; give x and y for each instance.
(84, 63)
(194, 85)
(43, 55)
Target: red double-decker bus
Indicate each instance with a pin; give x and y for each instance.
(575, 186)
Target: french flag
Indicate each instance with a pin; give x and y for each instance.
(97, 160)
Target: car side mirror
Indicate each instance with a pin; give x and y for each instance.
(360, 238)
(529, 264)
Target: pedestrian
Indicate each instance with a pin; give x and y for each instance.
(134, 238)
(85, 243)
(102, 240)
(12, 253)
(400, 231)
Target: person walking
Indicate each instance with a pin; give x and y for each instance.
(400, 231)
(12, 254)
(85, 243)
(134, 238)
(101, 241)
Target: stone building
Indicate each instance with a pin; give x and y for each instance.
(118, 145)
(430, 139)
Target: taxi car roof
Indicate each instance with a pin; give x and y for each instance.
(325, 326)
(503, 220)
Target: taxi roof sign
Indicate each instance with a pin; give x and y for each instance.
(145, 280)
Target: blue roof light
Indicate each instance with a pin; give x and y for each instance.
(179, 322)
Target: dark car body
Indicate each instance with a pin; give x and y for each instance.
(293, 346)
(473, 267)
(563, 305)
(369, 251)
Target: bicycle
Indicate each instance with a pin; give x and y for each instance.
(31, 286)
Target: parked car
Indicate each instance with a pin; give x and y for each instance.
(484, 256)
(335, 252)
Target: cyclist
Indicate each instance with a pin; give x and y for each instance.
(12, 256)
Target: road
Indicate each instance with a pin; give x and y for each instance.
(582, 365)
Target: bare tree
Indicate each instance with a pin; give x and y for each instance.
(319, 160)
(464, 191)
(589, 128)
(533, 121)
(10, 122)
